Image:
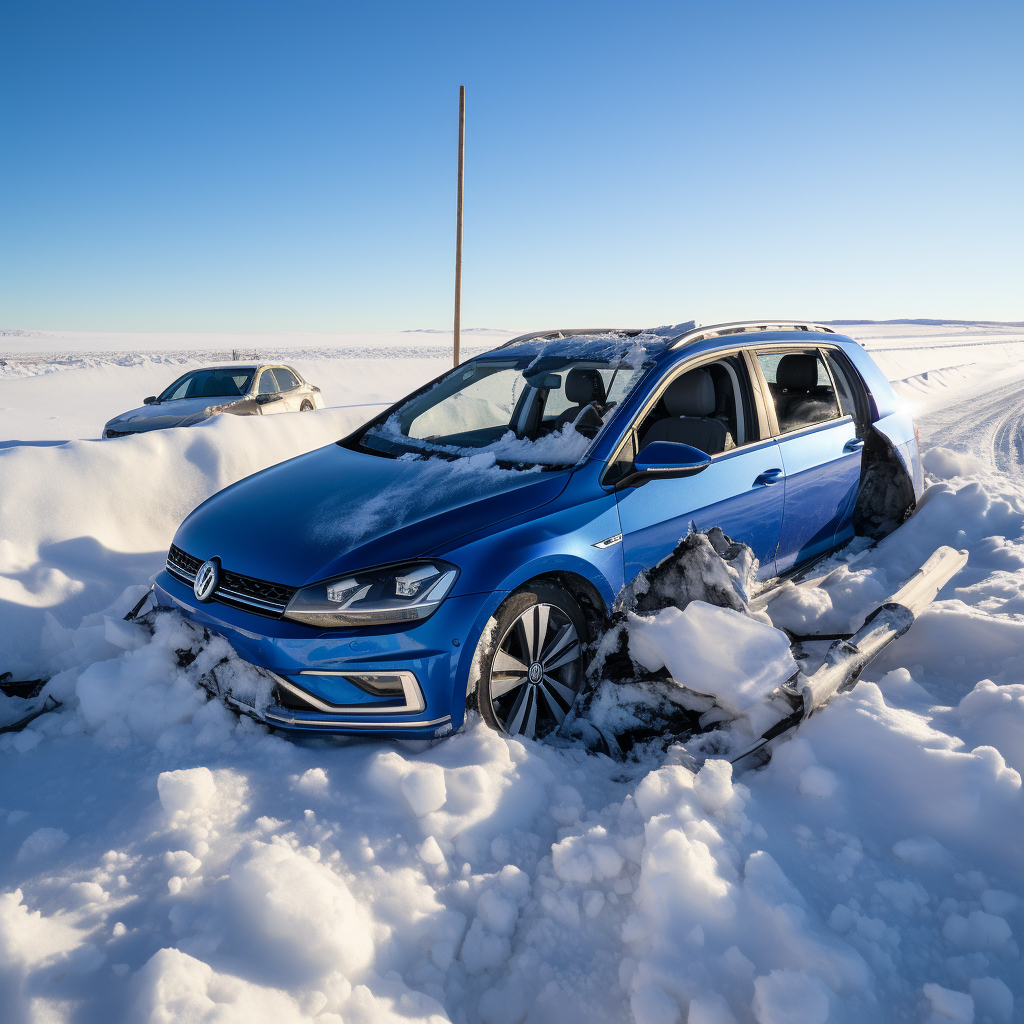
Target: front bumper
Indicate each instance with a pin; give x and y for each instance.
(314, 669)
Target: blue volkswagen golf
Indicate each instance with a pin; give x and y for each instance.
(461, 549)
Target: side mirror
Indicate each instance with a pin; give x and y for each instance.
(263, 399)
(663, 460)
(150, 400)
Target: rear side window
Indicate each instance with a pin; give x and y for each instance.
(285, 378)
(801, 388)
(847, 401)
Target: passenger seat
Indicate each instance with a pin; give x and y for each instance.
(690, 401)
(798, 400)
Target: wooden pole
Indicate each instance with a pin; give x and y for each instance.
(458, 221)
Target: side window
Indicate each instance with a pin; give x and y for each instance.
(285, 378)
(268, 385)
(709, 407)
(847, 402)
(801, 388)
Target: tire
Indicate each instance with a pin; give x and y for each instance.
(307, 406)
(531, 663)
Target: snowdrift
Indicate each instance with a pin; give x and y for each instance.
(166, 860)
(85, 520)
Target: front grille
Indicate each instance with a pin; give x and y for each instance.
(177, 559)
(120, 433)
(234, 589)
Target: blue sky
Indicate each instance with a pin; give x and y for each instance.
(291, 165)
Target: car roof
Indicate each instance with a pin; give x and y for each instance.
(664, 344)
(250, 365)
(676, 336)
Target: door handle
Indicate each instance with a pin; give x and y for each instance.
(769, 476)
(854, 444)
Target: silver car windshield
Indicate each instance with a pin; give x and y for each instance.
(220, 383)
(535, 408)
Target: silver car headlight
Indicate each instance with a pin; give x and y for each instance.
(376, 597)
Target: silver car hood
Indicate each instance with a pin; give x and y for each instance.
(171, 414)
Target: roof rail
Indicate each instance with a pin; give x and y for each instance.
(628, 332)
(745, 327)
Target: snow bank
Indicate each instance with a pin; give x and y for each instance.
(106, 511)
(60, 385)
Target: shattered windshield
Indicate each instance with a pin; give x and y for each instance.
(541, 403)
(221, 383)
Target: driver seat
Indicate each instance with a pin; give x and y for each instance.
(690, 401)
(583, 385)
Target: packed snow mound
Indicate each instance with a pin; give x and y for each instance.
(682, 641)
(705, 566)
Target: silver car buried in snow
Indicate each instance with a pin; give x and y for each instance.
(247, 390)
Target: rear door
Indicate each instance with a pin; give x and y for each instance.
(821, 453)
(742, 491)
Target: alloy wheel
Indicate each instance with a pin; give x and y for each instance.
(536, 671)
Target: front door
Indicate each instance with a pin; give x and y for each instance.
(291, 396)
(742, 491)
(711, 407)
(269, 395)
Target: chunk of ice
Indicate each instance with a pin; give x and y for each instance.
(716, 651)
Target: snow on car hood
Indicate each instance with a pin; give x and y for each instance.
(170, 414)
(333, 510)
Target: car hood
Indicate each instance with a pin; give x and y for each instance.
(332, 511)
(170, 414)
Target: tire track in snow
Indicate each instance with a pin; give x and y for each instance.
(987, 422)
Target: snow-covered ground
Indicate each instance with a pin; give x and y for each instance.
(161, 860)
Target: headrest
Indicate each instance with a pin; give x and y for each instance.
(584, 386)
(219, 387)
(693, 394)
(798, 372)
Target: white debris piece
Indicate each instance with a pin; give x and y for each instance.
(716, 651)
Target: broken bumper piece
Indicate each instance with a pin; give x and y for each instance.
(847, 658)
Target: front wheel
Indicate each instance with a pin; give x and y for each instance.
(531, 662)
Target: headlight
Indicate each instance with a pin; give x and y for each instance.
(376, 597)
